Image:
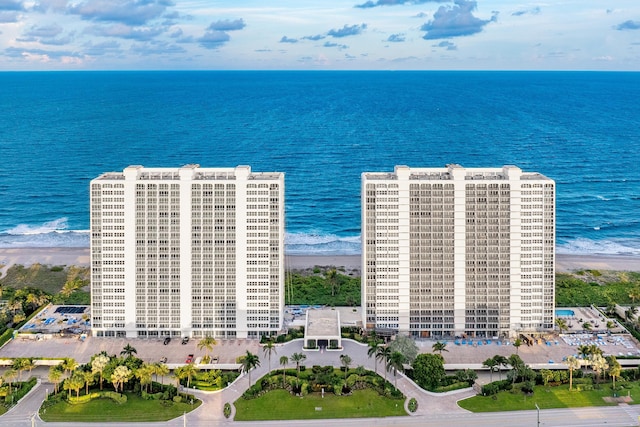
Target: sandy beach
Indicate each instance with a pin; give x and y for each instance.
(350, 263)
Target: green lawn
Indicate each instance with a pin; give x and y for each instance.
(280, 405)
(546, 398)
(106, 410)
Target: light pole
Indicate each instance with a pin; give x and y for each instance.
(538, 408)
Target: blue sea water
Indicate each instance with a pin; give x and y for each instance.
(58, 130)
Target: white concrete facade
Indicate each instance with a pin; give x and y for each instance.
(187, 251)
(458, 251)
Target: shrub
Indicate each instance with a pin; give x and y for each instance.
(253, 391)
(227, 410)
(455, 386)
(413, 405)
(116, 397)
(6, 336)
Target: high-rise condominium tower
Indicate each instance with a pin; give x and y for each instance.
(453, 251)
(187, 251)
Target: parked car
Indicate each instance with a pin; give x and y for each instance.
(185, 340)
(189, 358)
(166, 341)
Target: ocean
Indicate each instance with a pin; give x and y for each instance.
(58, 130)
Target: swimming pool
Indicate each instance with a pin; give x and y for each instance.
(565, 313)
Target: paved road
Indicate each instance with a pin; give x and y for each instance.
(434, 410)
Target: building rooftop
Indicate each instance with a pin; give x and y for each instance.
(322, 323)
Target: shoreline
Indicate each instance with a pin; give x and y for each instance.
(565, 263)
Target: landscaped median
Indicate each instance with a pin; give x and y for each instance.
(318, 393)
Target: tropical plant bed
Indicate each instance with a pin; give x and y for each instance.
(547, 398)
(281, 405)
(106, 410)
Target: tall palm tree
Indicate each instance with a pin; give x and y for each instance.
(516, 365)
(630, 313)
(69, 364)
(161, 369)
(501, 361)
(517, 343)
(439, 347)
(98, 364)
(383, 353)
(128, 351)
(572, 363)
(55, 374)
(373, 343)
(145, 374)
(87, 379)
(10, 375)
(599, 365)
(396, 362)
(283, 361)
(268, 349)
(298, 358)
(614, 369)
(345, 360)
(120, 375)
(207, 343)
(248, 362)
(491, 364)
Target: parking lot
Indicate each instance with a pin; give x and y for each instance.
(149, 350)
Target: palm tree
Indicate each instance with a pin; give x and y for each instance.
(491, 364)
(298, 358)
(345, 360)
(87, 379)
(614, 369)
(634, 293)
(501, 361)
(383, 353)
(572, 363)
(9, 376)
(145, 374)
(55, 374)
(374, 342)
(269, 348)
(161, 369)
(283, 361)
(516, 365)
(517, 343)
(611, 307)
(74, 383)
(630, 313)
(128, 351)
(332, 276)
(207, 343)
(121, 375)
(611, 324)
(439, 347)
(98, 364)
(561, 324)
(248, 362)
(396, 361)
(584, 351)
(599, 365)
(587, 326)
(69, 364)
(22, 364)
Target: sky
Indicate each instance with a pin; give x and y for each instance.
(319, 35)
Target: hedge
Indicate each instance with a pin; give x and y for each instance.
(455, 386)
(6, 336)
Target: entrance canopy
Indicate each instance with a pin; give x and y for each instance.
(322, 329)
